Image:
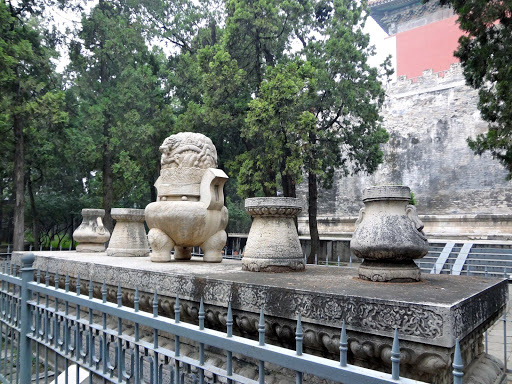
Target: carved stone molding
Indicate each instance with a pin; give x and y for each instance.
(458, 308)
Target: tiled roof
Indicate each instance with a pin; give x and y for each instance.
(373, 3)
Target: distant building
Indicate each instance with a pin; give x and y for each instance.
(429, 113)
(426, 35)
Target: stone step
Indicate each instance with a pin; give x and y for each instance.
(504, 251)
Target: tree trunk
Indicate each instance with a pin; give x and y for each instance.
(108, 177)
(151, 182)
(108, 187)
(213, 32)
(19, 185)
(269, 191)
(312, 212)
(35, 216)
(289, 187)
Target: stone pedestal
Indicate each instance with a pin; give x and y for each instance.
(129, 235)
(389, 236)
(273, 243)
(91, 234)
(429, 315)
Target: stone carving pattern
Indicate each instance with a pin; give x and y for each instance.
(409, 321)
(273, 211)
(316, 338)
(187, 149)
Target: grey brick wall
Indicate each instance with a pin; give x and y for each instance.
(429, 119)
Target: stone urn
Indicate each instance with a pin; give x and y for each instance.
(129, 235)
(91, 234)
(273, 243)
(389, 236)
(189, 210)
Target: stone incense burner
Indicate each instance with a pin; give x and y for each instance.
(389, 236)
(189, 210)
(91, 234)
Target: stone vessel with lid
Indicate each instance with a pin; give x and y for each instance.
(91, 234)
(389, 236)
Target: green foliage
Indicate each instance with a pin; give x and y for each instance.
(485, 52)
(278, 126)
(349, 92)
(413, 201)
(217, 101)
(120, 90)
(32, 111)
(239, 220)
(275, 112)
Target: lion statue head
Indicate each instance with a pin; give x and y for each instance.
(188, 150)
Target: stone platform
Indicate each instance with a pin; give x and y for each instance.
(430, 315)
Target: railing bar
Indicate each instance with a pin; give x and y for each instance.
(36, 368)
(208, 367)
(12, 354)
(66, 331)
(177, 311)
(6, 344)
(261, 372)
(46, 350)
(243, 346)
(209, 337)
(395, 357)
(505, 339)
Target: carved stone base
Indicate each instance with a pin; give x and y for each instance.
(272, 265)
(273, 244)
(393, 272)
(90, 247)
(429, 315)
(486, 369)
(129, 235)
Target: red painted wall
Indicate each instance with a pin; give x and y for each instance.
(428, 47)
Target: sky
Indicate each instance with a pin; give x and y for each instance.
(385, 45)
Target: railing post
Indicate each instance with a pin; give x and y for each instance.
(27, 275)
(458, 365)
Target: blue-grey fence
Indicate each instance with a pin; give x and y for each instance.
(44, 327)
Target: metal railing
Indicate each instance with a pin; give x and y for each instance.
(503, 320)
(329, 262)
(46, 327)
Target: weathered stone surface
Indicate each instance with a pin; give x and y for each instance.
(485, 370)
(429, 120)
(129, 235)
(189, 210)
(273, 243)
(429, 315)
(388, 236)
(91, 234)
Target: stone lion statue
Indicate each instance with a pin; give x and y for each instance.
(189, 210)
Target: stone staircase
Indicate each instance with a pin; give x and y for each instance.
(468, 258)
